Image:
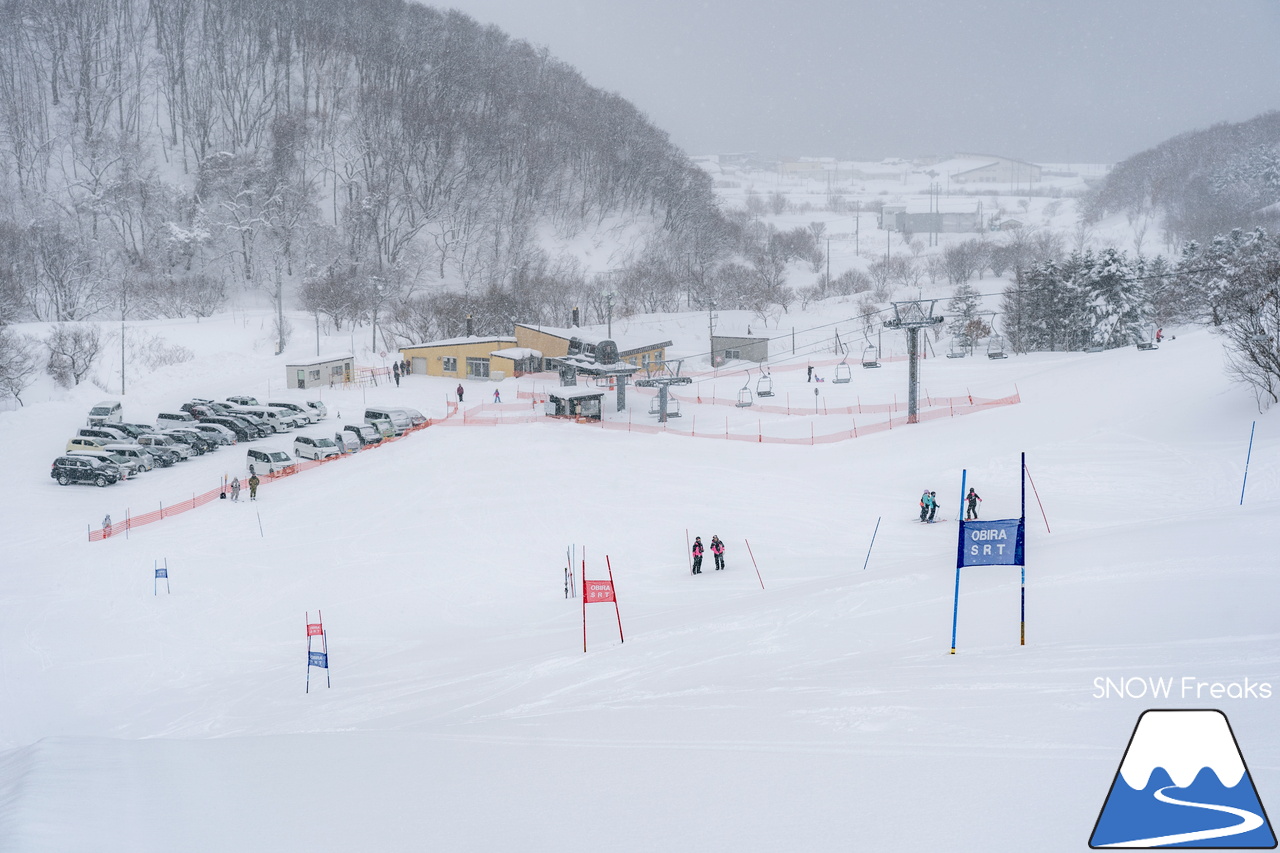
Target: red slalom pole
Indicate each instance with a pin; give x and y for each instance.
(614, 589)
(1037, 494)
(753, 562)
(688, 550)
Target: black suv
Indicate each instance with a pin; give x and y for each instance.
(83, 469)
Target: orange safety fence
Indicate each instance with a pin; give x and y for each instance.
(132, 521)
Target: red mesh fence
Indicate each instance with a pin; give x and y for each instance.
(132, 521)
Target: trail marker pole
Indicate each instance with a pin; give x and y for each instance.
(955, 604)
(1246, 462)
(688, 550)
(618, 612)
(260, 533)
(753, 562)
(872, 545)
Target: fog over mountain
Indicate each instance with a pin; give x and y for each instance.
(1089, 81)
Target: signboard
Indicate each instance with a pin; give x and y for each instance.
(320, 659)
(597, 591)
(162, 573)
(991, 543)
(315, 629)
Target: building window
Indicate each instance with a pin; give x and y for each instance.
(450, 364)
(315, 374)
(733, 353)
(477, 368)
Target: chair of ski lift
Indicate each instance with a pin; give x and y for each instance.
(958, 346)
(843, 373)
(744, 393)
(673, 407)
(1148, 345)
(870, 358)
(764, 385)
(995, 347)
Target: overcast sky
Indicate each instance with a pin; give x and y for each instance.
(1065, 81)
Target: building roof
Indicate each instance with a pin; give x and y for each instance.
(453, 342)
(577, 392)
(627, 342)
(517, 353)
(324, 359)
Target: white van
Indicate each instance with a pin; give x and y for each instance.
(400, 422)
(302, 413)
(106, 412)
(273, 417)
(266, 461)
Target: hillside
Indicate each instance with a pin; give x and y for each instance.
(813, 708)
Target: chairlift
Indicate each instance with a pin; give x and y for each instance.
(673, 406)
(744, 393)
(764, 385)
(958, 346)
(870, 357)
(995, 347)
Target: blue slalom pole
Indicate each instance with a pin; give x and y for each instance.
(1246, 462)
(955, 606)
(872, 545)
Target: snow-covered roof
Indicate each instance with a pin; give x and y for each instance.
(943, 205)
(593, 335)
(958, 165)
(453, 342)
(575, 393)
(323, 359)
(517, 353)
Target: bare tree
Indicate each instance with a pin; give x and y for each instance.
(72, 352)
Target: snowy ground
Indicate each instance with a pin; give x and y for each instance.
(822, 712)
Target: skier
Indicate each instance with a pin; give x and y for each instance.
(1159, 335)
(933, 505)
(497, 398)
(106, 527)
(925, 503)
(459, 392)
(697, 555)
(971, 500)
(395, 371)
(810, 376)
(717, 551)
(235, 488)
(253, 487)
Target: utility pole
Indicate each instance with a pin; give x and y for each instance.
(711, 330)
(124, 306)
(608, 298)
(913, 316)
(857, 225)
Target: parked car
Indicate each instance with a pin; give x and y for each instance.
(399, 421)
(263, 428)
(156, 441)
(82, 442)
(242, 430)
(279, 421)
(127, 466)
(308, 415)
(415, 417)
(364, 433)
(83, 469)
(165, 420)
(191, 438)
(216, 432)
(319, 408)
(385, 428)
(110, 433)
(106, 412)
(135, 430)
(264, 461)
(243, 400)
(347, 442)
(308, 447)
(135, 452)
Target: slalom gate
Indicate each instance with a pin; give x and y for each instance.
(131, 521)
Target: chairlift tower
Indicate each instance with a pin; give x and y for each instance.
(662, 375)
(913, 316)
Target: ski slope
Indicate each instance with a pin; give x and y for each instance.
(822, 712)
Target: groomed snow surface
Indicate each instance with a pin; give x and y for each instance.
(822, 712)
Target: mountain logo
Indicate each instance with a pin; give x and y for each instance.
(1183, 783)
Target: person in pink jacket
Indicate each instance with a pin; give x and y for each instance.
(717, 551)
(697, 555)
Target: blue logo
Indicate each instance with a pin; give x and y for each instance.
(1183, 783)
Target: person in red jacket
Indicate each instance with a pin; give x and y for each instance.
(459, 392)
(697, 555)
(972, 500)
(717, 551)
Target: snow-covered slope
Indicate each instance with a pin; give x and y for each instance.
(820, 712)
